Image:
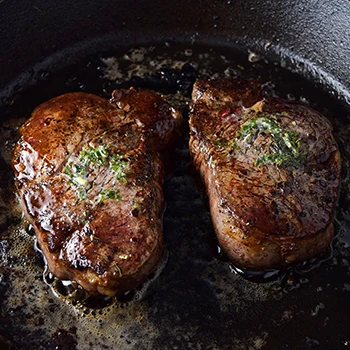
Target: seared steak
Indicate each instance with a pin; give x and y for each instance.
(271, 170)
(90, 179)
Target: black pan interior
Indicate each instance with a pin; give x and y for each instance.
(198, 300)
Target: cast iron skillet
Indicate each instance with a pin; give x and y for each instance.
(313, 37)
(196, 303)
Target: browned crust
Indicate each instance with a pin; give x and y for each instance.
(111, 246)
(264, 217)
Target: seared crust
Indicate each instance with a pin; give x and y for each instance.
(267, 215)
(102, 230)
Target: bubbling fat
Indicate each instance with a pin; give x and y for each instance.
(82, 301)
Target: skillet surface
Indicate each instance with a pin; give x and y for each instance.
(196, 300)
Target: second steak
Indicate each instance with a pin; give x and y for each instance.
(271, 169)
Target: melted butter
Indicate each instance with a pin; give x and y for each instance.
(25, 167)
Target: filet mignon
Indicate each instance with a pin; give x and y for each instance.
(271, 169)
(90, 179)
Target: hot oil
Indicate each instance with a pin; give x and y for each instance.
(76, 296)
(193, 300)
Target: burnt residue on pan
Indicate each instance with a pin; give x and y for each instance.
(196, 299)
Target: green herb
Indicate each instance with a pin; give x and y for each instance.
(97, 156)
(221, 142)
(79, 169)
(119, 270)
(234, 144)
(259, 124)
(117, 165)
(67, 170)
(226, 145)
(76, 174)
(109, 194)
(284, 149)
(77, 177)
(82, 193)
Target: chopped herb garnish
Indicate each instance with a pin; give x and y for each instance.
(109, 194)
(117, 165)
(221, 142)
(95, 157)
(120, 272)
(79, 169)
(82, 193)
(234, 145)
(77, 178)
(284, 149)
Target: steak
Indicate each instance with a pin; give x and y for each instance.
(271, 169)
(90, 177)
